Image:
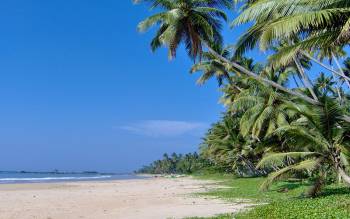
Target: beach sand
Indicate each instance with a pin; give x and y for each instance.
(153, 198)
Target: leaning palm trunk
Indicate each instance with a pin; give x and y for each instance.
(252, 168)
(259, 78)
(337, 87)
(317, 186)
(339, 167)
(325, 66)
(338, 92)
(305, 78)
(340, 68)
(339, 180)
(344, 176)
(274, 84)
(295, 80)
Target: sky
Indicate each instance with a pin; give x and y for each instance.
(80, 89)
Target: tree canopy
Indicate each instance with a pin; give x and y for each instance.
(282, 118)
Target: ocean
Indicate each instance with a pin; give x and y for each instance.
(7, 177)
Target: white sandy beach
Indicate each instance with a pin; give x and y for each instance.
(154, 198)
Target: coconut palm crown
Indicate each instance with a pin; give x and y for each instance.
(191, 22)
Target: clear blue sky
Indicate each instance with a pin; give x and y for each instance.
(81, 90)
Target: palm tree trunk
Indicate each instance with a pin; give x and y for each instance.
(344, 176)
(339, 178)
(305, 78)
(317, 185)
(340, 68)
(338, 166)
(339, 94)
(259, 78)
(338, 88)
(346, 118)
(295, 81)
(272, 83)
(301, 79)
(325, 66)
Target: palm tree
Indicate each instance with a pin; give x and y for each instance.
(210, 67)
(196, 23)
(333, 54)
(263, 108)
(178, 163)
(225, 147)
(320, 141)
(188, 21)
(321, 23)
(315, 24)
(325, 85)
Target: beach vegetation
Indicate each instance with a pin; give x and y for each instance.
(176, 164)
(284, 119)
(285, 199)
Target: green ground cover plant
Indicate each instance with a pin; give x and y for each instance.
(285, 199)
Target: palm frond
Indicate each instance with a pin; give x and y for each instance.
(309, 165)
(277, 159)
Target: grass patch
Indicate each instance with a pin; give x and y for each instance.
(223, 216)
(285, 199)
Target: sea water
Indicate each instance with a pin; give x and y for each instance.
(37, 177)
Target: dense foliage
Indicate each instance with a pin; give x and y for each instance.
(284, 200)
(284, 119)
(176, 164)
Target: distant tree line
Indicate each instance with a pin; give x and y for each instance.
(176, 164)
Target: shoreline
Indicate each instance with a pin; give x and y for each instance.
(154, 197)
(69, 178)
